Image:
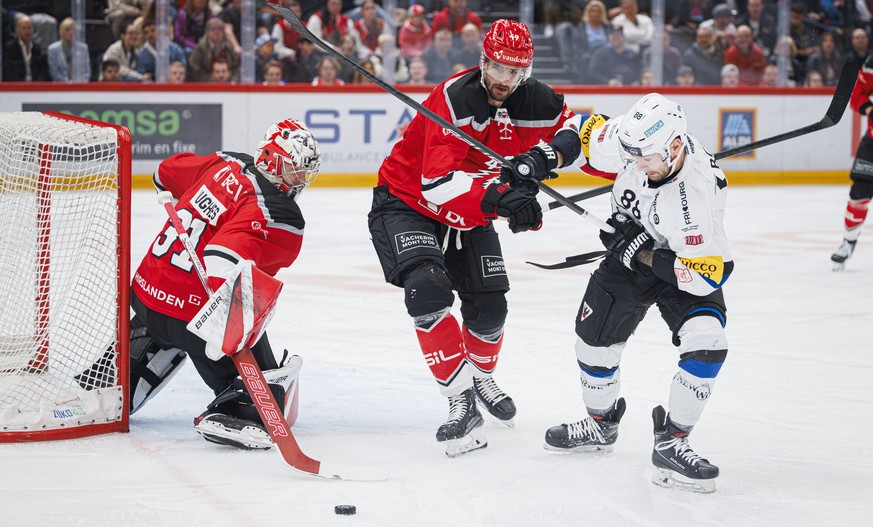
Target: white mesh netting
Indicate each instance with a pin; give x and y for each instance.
(58, 273)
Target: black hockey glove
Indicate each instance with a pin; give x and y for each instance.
(536, 164)
(627, 241)
(523, 212)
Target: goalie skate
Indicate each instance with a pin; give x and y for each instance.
(462, 432)
(842, 254)
(492, 398)
(223, 429)
(676, 464)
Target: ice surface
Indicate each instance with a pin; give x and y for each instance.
(789, 422)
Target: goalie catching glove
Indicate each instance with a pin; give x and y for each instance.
(522, 211)
(627, 241)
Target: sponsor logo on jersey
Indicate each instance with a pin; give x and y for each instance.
(683, 200)
(711, 267)
(654, 128)
(586, 312)
(683, 276)
(603, 131)
(407, 241)
(208, 205)
(157, 293)
(697, 239)
(493, 266)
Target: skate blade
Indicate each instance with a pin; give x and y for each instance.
(249, 438)
(475, 440)
(669, 479)
(582, 449)
(838, 266)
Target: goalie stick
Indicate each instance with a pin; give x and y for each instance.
(298, 26)
(839, 102)
(263, 399)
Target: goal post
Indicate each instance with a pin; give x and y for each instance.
(64, 276)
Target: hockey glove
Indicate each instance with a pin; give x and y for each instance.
(536, 164)
(627, 241)
(523, 212)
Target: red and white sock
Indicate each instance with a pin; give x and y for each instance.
(443, 349)
(482, 352)
(856, 213)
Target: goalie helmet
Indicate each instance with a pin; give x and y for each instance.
(509, 44)
(650, 126)
(289, 157)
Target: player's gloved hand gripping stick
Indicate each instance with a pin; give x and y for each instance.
(249, 298)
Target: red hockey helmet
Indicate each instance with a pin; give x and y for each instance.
(289, 157)
(508, 42)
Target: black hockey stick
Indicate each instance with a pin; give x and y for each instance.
(839, 102)
(298, 26)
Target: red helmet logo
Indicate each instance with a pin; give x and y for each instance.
(508, 42)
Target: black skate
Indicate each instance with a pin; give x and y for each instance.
(223, 429)
(595, 433)
(676, 465)
(843, 253)
(492, 398)
(461, 432)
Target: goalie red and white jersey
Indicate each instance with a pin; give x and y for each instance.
(862, 95)
(443, 177)
(232, 215)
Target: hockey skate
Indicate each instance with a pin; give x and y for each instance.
(223, 429)
(676, 465)
(462, 431)
(843, 253)
(492, 398)
(595, 433)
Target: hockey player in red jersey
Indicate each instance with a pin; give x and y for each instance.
(861, 190)
(236, 208)
(431, 219)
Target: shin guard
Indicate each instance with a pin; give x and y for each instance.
(482, 350)
(856, 213)
(439, 336)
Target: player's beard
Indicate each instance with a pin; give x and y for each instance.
(497, 91)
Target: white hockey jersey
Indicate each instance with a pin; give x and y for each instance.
(684, 214)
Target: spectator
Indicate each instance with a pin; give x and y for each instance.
(827, 61)
(23, 59)
(796, 71)
(572, 45)
(62, 53)
(415, 34)
(220, 71)
(306, 61)
(771, 76)
(470, 50)
(190, 24)
(747, 56)
(804, 33)
(123, 50)
(860, 46)
(646, 77)
(730, 76)
(109, 71)
(671, 59)
(176, 72)
(329, 24)
(349, 48)
(454, 17)
(417, 71)
(120, 13)
(705, 58)
(722, 25)
(389, 64)
(285, 36)
(813, 80)
(231, 15)
(638, 28)
(369, 27)
(595, 28)
(685, 76)
(762, 24)
(273, 73)
(688, 15)
(264, 53)
(438, 57)
(358, 77)
(615, 64)
(457, 68)
(211, 48)
(328, 68)
(147, 56)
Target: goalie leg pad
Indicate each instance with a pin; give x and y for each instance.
(151, 367)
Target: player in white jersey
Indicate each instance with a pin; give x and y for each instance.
(669, 248)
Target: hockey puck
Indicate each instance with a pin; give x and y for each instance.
(345, 510)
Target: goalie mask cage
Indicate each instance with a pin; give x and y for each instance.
(64, 276)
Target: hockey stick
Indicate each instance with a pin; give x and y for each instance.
(298, 26)
(262, 397)
(839, 102)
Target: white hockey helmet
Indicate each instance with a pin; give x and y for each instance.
(650, 126)
(289, 157)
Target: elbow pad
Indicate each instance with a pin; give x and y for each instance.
(567, 143)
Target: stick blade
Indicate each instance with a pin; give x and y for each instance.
(842, 93)
(351, 472)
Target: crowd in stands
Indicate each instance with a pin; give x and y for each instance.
(603, 42)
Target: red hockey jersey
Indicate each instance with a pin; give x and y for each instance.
(443, 177)
(232, 215)
(861, 95)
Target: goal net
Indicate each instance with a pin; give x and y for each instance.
(64, 276)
